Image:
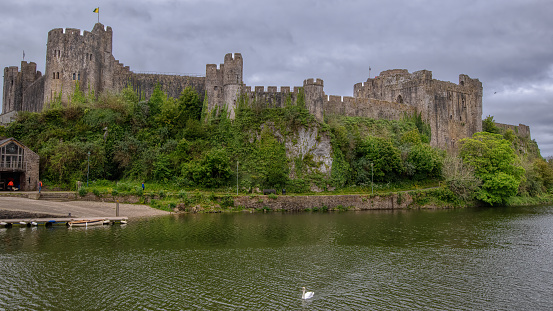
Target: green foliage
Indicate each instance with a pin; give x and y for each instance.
(212, 170)
(495, 162)
(424, 162)
(82, 192)
(460, 178)
(488, 125)
(422, 127)
(376, 158)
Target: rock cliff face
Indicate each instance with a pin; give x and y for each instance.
(308, 145)
(312, 145)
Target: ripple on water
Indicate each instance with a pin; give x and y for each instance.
(458, 260)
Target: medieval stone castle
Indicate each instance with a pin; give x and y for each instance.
(454, 111)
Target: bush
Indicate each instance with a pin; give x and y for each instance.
(82, 192)
(227, 201)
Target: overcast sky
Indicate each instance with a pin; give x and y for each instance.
(507, 44)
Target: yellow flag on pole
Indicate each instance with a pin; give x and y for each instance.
(96, 10)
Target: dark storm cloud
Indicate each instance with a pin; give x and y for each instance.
(506, 44)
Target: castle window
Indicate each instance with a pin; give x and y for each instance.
(90, 56)
(57, 75)
(79, 76)
(53, 75)
(462, 83)
(74, 76)
(400, 99)
(450, 117)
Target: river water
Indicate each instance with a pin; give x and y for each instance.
(463, 259)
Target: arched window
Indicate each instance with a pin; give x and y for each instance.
(400, 99)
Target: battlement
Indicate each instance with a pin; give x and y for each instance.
(229, 57)
(394, 72)
(270, 89)
(78, 32)
(311, 81)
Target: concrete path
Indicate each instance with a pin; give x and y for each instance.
(77, 208)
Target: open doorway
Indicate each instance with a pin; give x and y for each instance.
(12, 181)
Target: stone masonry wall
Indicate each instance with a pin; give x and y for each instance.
(454, 111)
(31, 170)
(520, 130)
(301, 203)
(365, 107)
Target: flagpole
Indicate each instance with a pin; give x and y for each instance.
(98, 15)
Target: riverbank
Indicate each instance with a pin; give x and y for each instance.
(91, 205)
(19, 206)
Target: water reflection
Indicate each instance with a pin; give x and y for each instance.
(385, 260)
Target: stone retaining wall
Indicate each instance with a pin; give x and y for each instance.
(300, 203)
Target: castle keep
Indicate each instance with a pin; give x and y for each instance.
(454, 111)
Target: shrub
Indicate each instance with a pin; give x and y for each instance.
(82, 192)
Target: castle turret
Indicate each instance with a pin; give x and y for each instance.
(223, 85)
(17, 85)
(313, 91)
(74, 58)
(10, 86)
(232, 81)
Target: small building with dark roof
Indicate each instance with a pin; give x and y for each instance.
(18, 164)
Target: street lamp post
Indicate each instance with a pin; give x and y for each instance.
(372, 183)
(88, 168)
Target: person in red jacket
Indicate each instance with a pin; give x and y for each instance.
(10, 185)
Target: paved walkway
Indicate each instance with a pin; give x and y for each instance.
(77, 208)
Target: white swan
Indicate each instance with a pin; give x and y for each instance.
(306, 295)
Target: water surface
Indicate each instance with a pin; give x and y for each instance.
(467, 259)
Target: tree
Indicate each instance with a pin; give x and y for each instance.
(426, 162)
(488, 125)
(379, 153)
(495, 162)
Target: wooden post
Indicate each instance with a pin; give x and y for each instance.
(117, 209)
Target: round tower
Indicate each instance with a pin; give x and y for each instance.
(232, 81)
(314, 93)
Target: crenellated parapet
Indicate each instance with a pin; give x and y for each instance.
(271, 96)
